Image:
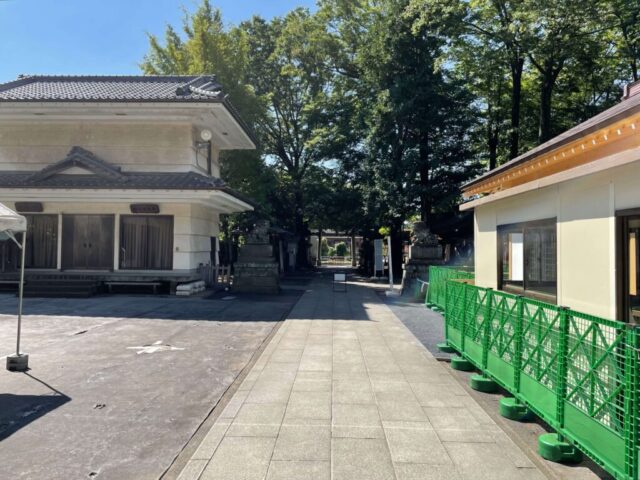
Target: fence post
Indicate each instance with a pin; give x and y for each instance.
(487, 327)
(631, 401)
(463, 327)
(517, 361)
(561, 381)
(553, 446)
(460, 362)
(482, 382)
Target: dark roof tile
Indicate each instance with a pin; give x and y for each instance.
(157, 88)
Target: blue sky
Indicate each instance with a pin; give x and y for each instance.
(99, 36)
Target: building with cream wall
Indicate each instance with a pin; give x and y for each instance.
(578, 198)
(120, 146)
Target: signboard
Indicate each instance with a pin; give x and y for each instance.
(377, 255)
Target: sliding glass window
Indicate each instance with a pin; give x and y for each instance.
(527, 258)
(146, 242)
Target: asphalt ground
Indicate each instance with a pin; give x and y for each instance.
(119, 384)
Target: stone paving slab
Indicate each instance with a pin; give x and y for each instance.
(345, 392)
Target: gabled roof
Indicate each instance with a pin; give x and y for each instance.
(107, 176)
(134, 88)
(79, 157)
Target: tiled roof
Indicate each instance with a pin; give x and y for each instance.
(157, 88)
(625, 108)
(128, 180)
(112, 89)
(106, 176)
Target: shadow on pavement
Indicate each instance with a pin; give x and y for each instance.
(18, 411)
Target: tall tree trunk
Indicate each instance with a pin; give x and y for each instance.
(492, 143)
(425, 194)
(517, 65)
(396, 253)
(302, 259)
(546, 92)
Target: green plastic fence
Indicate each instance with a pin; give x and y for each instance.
(576, 371)
(438, 276)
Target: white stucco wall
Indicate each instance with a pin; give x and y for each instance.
(585, 211)
(193, 225)
(133, 146)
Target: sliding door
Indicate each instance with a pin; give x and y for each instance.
(146, 242)
(87, 242)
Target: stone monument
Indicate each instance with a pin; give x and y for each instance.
(256, 270)
(425, 250)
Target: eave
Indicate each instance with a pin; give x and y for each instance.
(229, 131)
(221, 200)
(616, 138)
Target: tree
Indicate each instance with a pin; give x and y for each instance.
(558, 31)
(209, 47)
(415, 118)
(341, 249)
(286, 68)
(624, 16)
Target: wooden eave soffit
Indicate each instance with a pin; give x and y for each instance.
(618, 137)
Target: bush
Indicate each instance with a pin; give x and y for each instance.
(341, 249)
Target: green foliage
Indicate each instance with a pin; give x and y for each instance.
(341, 249)
(324, 248)
(536, 67)
(374, 112)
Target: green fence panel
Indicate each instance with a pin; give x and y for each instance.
(578, 372)
(540, 358)
(502, 343)
(474, 328)
(454, 314)
(438, 277)
(595, 412)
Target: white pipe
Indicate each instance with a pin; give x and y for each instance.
(21, 291)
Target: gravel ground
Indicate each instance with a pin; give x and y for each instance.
(425, 324)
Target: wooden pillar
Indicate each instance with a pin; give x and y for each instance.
(319, 254)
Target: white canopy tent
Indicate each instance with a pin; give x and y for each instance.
(11, 224)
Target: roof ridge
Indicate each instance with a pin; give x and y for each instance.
(24, 79)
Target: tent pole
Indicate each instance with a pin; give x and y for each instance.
(20, 291)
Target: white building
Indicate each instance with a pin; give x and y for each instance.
(561, 222)
(117, 176)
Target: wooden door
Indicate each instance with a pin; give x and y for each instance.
(87, 242)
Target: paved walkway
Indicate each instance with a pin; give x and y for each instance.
(345, 392)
